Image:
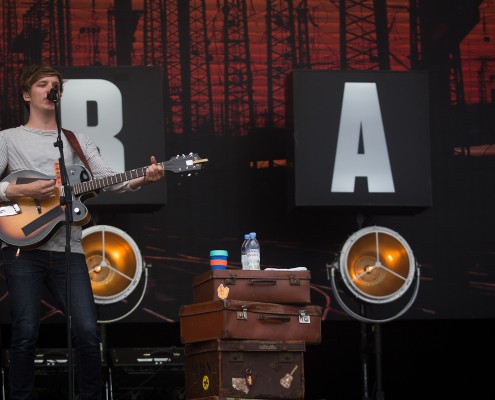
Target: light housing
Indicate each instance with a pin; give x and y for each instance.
(377, 268)
(114, 263)
(377, 265)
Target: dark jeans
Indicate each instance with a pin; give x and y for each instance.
(26, 274)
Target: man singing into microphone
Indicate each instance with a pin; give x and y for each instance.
(31, 147)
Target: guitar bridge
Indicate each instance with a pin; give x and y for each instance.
(11, 209)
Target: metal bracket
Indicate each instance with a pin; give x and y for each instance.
(294, 281)
(242, 315)
(304, 318)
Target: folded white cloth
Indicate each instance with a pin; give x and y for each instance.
(286, 269)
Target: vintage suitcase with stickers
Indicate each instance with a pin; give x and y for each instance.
(249, 369)
(238, 319)
(285, 286)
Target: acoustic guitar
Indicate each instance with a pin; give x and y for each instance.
(27, 223)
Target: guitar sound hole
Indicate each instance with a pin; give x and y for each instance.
(84, 177)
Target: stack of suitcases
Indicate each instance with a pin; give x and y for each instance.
(246, 334)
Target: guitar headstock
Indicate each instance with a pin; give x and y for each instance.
(185, 163)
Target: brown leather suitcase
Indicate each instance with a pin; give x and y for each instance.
(250, 369)
(284, 286)
(237, 319)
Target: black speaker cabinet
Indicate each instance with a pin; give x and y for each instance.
(51, 374)
(147, 373)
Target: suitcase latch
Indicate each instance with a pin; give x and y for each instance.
(293, 281)
(230, 281)
(303, 317)
(242, 314)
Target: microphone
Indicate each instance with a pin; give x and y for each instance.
(53, 94)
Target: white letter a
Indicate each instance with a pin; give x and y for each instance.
(361, 118)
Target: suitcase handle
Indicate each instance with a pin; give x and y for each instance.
(272, 317)
(254, 281)
(292, 281)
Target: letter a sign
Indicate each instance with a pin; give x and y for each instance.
(361, 138)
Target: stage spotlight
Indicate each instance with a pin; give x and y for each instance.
(377, 267)
(115, 265)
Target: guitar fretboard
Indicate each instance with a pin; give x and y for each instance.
(95, 184)
(178, 164)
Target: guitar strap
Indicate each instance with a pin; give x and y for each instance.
(77, 147)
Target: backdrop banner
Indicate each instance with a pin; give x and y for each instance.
(361, 138)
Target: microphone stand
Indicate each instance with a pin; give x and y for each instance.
(65, 199)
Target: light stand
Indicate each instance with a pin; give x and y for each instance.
(65, 200)
(115, 268)
(377, 269)
(376, 349)
(365, 360)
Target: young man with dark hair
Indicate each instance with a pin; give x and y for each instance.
(31, 147)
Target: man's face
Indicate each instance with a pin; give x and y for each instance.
(37, 96)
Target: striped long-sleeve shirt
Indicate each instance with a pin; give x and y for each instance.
(23, 148)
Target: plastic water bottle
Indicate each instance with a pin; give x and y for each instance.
(244, 263)
(253, 252)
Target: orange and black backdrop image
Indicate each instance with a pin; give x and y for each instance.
(356, 138)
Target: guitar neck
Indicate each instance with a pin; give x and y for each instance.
(185, 164)
(98, 183)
